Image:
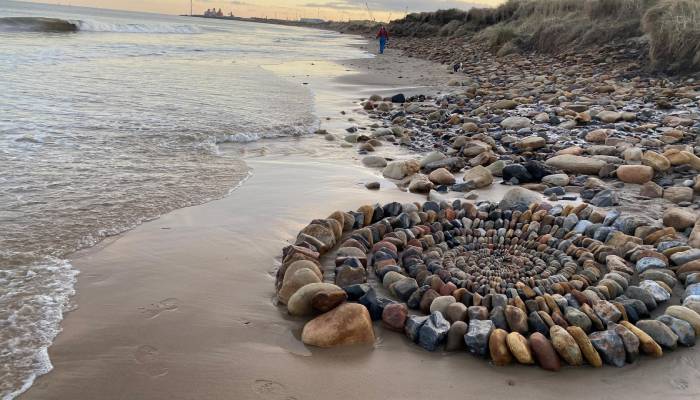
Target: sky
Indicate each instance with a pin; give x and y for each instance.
(286, 9)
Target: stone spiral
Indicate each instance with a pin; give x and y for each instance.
(540, 283)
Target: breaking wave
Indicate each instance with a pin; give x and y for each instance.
(51, 25)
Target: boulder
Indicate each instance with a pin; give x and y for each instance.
(400, 169)
(346, 324)
(294, 281)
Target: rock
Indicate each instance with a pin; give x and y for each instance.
(413, 325)
(519, 198)
(294, 281)
(404, 288)
(565, 345)
(544, 352)
(531, 143)
(517, 320)
(605, 198)
(661, 333)
(638, 174)
(515, 123)
(678, 194)
(300, 302)
(685, 257)
(657, 291)
(519, 348)
(503, 104)
(327, 300)
(651, 190)
(440, 304)
(686, 314)
(374, 162)
(398, 98)
(635, 292)
(479, 176)
(394, 316)
(420, 184)
(629, 340)
(646, 343)
(576, 164)
(609, 116)
(610, 347)
(556, 179)
(578, 318)
(656, 161)
(647, 263)
(585, 345)
(516, 173)
(372, 185)
(682, 329)
(456, 312)
(597, 136)
(442, 176)
(607, 312)
(455, 336)
(477, 337)
(346, 324)
(433, 332)
(347, 275)
(500, 355)
(400, 169)
(431, 157)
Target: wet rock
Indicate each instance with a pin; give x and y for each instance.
(478, 176)
(519, 199)
(346, 324)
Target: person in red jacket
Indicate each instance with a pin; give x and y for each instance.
(383, 36)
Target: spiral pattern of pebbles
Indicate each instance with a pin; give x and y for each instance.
(555, 284)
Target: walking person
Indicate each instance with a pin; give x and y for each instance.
(383, 36)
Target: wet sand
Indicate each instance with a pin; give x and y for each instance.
(182, 307)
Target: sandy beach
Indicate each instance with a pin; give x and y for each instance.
(182, 307)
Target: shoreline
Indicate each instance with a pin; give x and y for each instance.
(182, 307)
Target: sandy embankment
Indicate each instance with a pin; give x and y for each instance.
(182, 307)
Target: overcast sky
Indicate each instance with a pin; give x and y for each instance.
(326, 9)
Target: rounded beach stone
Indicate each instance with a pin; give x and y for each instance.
(517, 319)
(686, 314)
(394, 316)
(300, 302)
(544, 352)
(294, 281)
(441, 303)
(662, 334)
(638, 174)
(456, 312)
(585, 345)
(346, 324)
(500, 355)
(327, 300)
(565, 345)
(455, 336)
(646, 343)
(519, 348)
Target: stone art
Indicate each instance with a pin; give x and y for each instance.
(546, 283)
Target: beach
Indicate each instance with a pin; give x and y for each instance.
(183, 307)
(157, 215)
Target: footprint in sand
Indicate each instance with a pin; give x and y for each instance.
(271, 390)
(148, 360)
(153, 310)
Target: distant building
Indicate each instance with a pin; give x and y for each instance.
(311, 20)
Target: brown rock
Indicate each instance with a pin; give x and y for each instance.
(638, 174)
(327, 300)
(679, 218)
(651, 190)
(519, 348)
(678, 194)
(394, 316)
(565, 345)
(517, 320)
(442, 176)
(498, 348)
(346, 324)
(587, 350)
(544, 352)
(655, 160)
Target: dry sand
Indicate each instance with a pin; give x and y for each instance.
(182, 307)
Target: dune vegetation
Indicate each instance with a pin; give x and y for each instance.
(669, 29)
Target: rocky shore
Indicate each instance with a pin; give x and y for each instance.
(529, 278)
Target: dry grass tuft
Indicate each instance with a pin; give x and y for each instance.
(674, 29)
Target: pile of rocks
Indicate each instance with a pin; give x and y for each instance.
(535, 283)
(524, 118)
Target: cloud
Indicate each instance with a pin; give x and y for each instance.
(394, 5)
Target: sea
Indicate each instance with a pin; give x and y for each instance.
(109, 119)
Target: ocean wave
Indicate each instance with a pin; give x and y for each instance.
(49, 25)
(36, 24)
